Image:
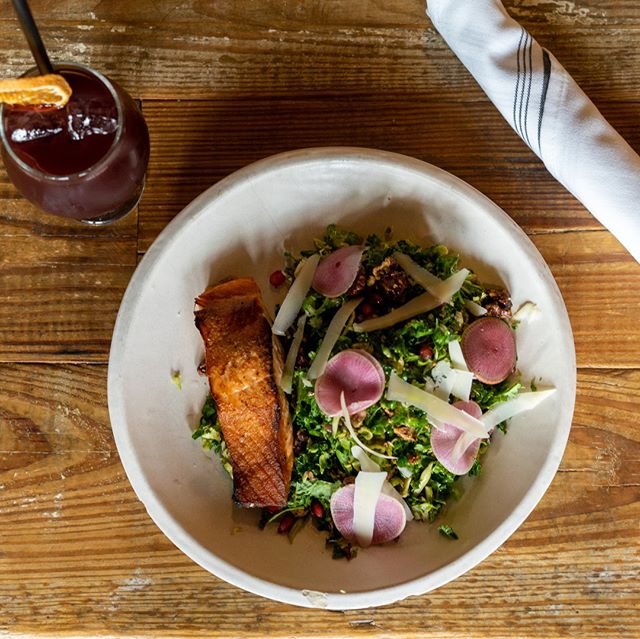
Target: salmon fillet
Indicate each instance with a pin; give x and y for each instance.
(244, 364)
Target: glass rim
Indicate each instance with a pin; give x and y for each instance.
(27, 168)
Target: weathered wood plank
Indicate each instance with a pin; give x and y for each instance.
(78, 554)
(260, 13)
(60, 284)
(60, 311)
(18, 217)
(597, 303)
(240, 49)
(195, 144)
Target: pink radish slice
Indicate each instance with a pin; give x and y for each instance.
(489, 348)
(470, 407)
(357, 374)
(337, 272)
(389, 521)
(443, 442)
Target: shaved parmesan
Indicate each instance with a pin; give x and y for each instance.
(295, 296)
(512, 407)
(463, 376)
(444, 377)
(417, 273)
(287, 377)
(464, 441)
(442, 289)
(456, 356)
(436, 408)
(421, 304)
(475, 309)
(462, 384)
(368, 487)
(334, 330)
(452, 285)
(527, 311)
(368, 465)
(352, 432)
(451, 381)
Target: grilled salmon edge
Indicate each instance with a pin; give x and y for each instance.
(248, 288)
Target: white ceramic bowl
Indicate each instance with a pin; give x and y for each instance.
(238, 227)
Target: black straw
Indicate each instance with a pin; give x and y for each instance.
(32, 35)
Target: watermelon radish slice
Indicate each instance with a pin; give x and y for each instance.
(489, 348)
(446, 448)
(337, 272)
(389, 519)
(357, 374)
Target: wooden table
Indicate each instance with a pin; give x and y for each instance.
(228, 82)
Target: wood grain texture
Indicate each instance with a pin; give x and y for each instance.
(195, 144)
(235, 48)
(78, 553)
(60, 284)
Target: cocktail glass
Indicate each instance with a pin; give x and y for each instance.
(86, 160)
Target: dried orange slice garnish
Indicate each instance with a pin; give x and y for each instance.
(48, 89)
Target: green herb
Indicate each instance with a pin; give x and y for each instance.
(446, 531)
(305, 491)
(210, 433)
(176, 378)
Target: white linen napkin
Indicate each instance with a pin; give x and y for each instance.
(548, 110)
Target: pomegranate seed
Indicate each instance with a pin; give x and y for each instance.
(286, 523)
(377, 300)
(277, 278)
(366, 310)
(317, 510)
(426, 352)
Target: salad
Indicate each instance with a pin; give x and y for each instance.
(400, 367)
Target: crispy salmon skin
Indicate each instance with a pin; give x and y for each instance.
(244, 364)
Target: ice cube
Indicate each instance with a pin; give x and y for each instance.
(33, 124)
(82, 122)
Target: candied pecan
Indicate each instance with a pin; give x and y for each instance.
(405, 432)
(394, 285)
(378, 272)
(498, 303)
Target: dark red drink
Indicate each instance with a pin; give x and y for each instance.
(86, 160)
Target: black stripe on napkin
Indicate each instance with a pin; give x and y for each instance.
(516, 92)
(546, 76)
(528, 77)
